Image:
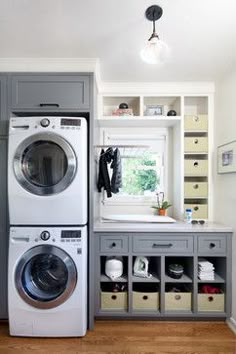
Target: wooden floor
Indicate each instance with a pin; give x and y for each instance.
(139, 337)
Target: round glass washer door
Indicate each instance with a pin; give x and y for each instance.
(45, 276)
(45, 164)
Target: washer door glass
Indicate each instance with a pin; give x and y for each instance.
(45, 164)
(45, 276)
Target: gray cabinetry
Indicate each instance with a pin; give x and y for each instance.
(160, 294)
(3, 227)
(3, 104)
(50, 92)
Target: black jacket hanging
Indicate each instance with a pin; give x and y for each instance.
(116, 179)
(103, 175)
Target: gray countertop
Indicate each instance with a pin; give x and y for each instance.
(178, 226)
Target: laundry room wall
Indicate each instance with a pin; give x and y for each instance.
(224, 184)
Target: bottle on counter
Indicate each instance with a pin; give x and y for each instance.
(188, 215)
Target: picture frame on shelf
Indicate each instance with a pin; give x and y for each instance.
(226, 158)
(154, 110)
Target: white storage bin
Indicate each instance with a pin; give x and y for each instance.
(196, 122)
(195, 144)
(178, 301)
(145, 300)
(114, 300)
(211, 302)
(195, 167)
(199, 211)
(195, 189)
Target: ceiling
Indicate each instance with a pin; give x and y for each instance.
(200, 33)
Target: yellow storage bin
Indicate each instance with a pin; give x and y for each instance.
(195, 189)
(211, 302)
(178, 301)
(196, 122)
(199, 211)
(195, 167)
(195, 144)
(114, 300)
(145, 300)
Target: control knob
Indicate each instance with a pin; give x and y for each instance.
(45, 122)
(45, 235)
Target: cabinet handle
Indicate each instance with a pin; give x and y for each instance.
(49, 105)
(195, 141)
(195, 164)
(195, 186)
(177, 297)
(196, 208)
(196, 118)
(156, 245)
(114, 297)
(210, 298)
(145, 297)
(113, 245)
(212, 245)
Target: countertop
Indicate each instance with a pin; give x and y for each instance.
(178, 226)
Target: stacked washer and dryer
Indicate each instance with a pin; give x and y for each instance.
(47, 195)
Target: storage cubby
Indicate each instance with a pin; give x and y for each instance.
(178, 297)
(114, 296)
(111, 103)
(211, 297)
(219, 264)
(159, 105)
(145, 296)
(185, 262)
(123, 277)
(146, 265)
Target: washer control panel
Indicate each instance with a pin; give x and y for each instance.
(45, 235)
(45, 122)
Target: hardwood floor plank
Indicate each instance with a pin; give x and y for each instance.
(130, 337)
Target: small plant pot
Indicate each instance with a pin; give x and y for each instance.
(161, 212)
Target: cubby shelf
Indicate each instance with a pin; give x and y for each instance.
(138, 121)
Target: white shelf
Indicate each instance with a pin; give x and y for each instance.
(138, 121)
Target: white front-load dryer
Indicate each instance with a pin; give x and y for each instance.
(47, 171)
(47, 281)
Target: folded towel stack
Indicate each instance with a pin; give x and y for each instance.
(206, 270)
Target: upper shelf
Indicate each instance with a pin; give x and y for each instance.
(138, 121)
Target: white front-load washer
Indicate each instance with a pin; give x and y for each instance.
(47, 281)
(47, 171)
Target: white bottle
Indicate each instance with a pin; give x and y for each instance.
(188, 215)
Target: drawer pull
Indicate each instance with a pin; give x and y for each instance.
(113, 245)
(195, 164)
(166, 245)
(196, 208)
(196, 186)
(49, 105)
(195, 141)
(210, 298)
(196, 118)
(145, 297)
(177, 297)
(212, 245)
(114, 297)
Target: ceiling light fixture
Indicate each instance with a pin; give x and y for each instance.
(155, 50)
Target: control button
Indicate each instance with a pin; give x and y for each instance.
(45, 122)
(53, 127)
(63, 240)
(53, 240)
(45, 235)
(36, 240)
(36, 126)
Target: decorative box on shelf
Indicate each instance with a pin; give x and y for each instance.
(123, 112)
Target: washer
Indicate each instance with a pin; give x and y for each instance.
(47, 281)
(47, 171)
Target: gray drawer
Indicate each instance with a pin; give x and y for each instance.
(209, 244)
(166, 244)
(114, 244)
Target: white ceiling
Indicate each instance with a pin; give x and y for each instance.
(200, 33)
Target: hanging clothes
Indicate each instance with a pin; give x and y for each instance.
(116, 179)
(103, 175)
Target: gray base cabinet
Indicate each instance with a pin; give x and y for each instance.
(160, 295)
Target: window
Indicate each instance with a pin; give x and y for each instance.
(143, 173)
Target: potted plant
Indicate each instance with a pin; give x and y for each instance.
(162, 204)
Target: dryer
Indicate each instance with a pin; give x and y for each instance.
(47, 281)
(47, 171)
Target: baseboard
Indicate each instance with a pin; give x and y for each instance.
(232, 324)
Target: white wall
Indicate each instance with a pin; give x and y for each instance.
(225, 184)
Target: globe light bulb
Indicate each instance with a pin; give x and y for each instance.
(155, 51)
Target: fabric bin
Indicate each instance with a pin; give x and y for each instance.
(178, 301)
(211, 302)
(114, 300)
(195, 189)
(195, 144)
(195, 167)
(196, 122)
(145, 300)
(199, 211)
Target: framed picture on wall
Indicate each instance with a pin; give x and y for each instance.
(226, 157)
